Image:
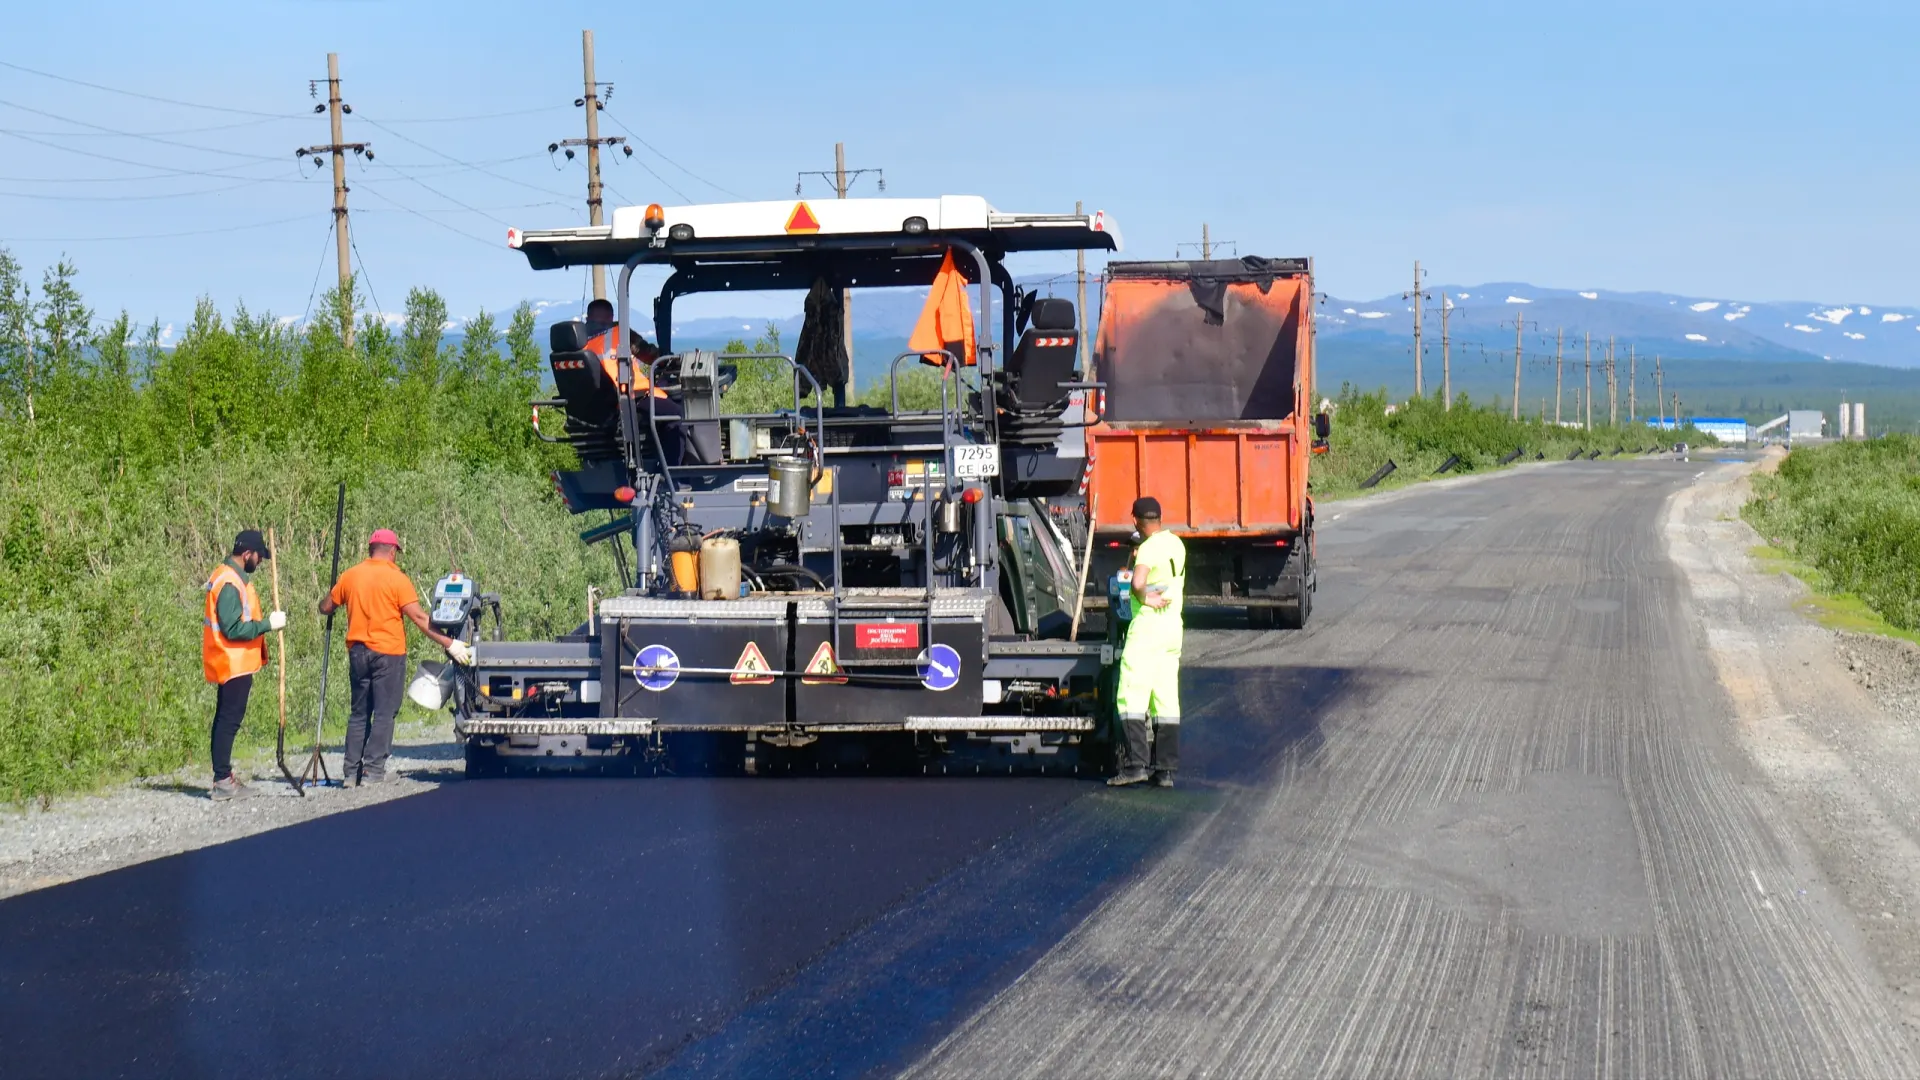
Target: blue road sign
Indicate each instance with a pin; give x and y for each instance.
(940, 668)
(656, 667)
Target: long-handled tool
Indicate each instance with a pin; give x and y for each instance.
(1086, 565)
(280, 650)
(316, 768)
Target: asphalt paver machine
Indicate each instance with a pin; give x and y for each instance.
(905, 576)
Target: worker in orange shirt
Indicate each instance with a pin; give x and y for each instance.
(605, 344)
(378, 595)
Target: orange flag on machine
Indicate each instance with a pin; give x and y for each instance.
(947, 320)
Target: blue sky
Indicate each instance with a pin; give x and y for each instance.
(1754, 150)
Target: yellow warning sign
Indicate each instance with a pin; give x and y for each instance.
(822, 668)
(752, 668)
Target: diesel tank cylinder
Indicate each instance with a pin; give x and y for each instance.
(789, 486)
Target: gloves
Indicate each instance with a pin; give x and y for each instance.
(460, 652)
(276, 620)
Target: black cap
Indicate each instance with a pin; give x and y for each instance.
(1146, 507)
(251, 540)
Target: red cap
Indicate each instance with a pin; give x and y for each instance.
(384, 536)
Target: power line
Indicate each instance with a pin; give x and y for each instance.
(171, 131)
(150, 236)
(127, 198)
(436, 221)
(466, 164)
(670, 161)
(442, 195)
(481, 116)
(368, 278)
(317, 271)
(138, 164)
(146, 97)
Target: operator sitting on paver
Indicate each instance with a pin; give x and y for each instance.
(605, 343)
(1150, 660)
(233, 645)
(377, 595)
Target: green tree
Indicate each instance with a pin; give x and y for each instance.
(64, 329)
(18, 319)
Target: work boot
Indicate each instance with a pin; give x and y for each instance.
(373, 777)
(229, 789)
(1163, 778)
(1128, 778)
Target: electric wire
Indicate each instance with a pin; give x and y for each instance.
(149, 165)
(143, 96)
(656, 150)
(436, 221)
(125, 198)
(150, 236)
(457, 161)
(318, 270)
(368, 278)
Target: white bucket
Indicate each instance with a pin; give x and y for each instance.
(432, 685)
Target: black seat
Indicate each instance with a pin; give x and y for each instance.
(1030, 396)
(579, 378)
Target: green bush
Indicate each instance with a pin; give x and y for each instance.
(126, 468)
(1419, 436)
(1851, 510)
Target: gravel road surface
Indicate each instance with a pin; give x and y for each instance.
(1512, 806)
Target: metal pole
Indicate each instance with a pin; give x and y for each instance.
(1080, 298)
(1633, 376)
(1206, 243)
(1446, 357)
(1588, 397)
(1559, 342)
(846, 295)
(591, 102)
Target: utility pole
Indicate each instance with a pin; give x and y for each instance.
(1519, 323)
(1589, 395)
(337, 148)
(1633, 377)
(1659, 398)
(1446, 356)
(593, 101)
(1613, 389)
(1419, 384)
(1559, 343)
(1080, 298)
(1206, 243)
(842, 179)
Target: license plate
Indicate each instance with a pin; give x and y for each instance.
(886, 635)
(974, 462)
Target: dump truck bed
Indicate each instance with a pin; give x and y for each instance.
(1208, 369)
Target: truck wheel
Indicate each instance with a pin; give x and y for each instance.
(482, 761)
(1293, 616)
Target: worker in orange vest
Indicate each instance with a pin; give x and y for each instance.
(233, 645)
(605, 343)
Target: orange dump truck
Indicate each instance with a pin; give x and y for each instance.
(1208, 373)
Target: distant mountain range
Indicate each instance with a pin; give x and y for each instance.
(1482, 317)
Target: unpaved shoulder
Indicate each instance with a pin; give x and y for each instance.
(1831, 720)
(77, 837)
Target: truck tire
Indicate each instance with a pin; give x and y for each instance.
(1294, 614)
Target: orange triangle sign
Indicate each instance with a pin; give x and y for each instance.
(822, 668)
(752, 668)
(802, 219)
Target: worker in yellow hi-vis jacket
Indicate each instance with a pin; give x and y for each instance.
(1150, 660)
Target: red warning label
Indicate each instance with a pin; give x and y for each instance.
(802, 219)
(752, 668)
(886, 635)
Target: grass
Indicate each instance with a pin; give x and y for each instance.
(1848, 516)
(100, 596)
(1833, 610)
(1419, 436)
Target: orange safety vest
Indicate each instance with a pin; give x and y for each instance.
(222, 659)
(946, 322)
(607, 346)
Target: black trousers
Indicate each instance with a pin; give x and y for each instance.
(378, 681)
(229, 708)
(1155, 748)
